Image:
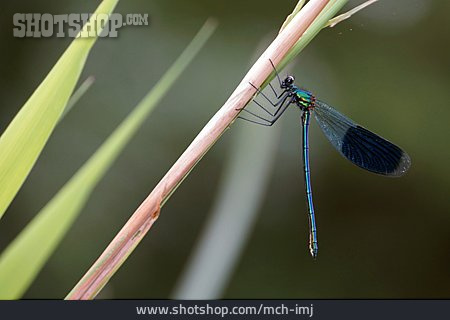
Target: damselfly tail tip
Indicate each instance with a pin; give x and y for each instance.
(314, 250)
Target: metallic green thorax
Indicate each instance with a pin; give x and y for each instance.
(305, 98)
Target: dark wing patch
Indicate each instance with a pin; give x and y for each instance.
(359, 145)
(373, 153)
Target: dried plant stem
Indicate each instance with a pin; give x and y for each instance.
(147, 213)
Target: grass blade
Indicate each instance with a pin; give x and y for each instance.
(27, 134)
(348, 14)
(25, 256)
(82, 89)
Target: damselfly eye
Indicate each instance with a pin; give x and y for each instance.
(289, 80)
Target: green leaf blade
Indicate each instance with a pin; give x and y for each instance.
(25, 137)
(21, 262)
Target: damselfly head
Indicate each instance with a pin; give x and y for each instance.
(288, 82)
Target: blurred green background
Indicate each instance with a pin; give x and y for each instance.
(388, 68)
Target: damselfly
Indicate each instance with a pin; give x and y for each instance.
(359, 145)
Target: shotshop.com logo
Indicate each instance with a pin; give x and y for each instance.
(37, 25)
